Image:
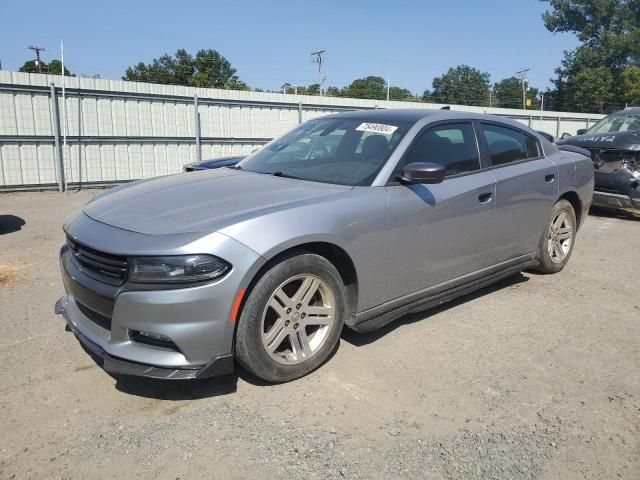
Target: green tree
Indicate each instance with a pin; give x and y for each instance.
(375, 88)
(591, 89)
(609, 32)
(52, 68)
(334, 92)
(508, 92)
(401, 94)
(631, 85)
(462, 85)
(207, 69)
(369, 87)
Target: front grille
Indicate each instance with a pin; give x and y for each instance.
(95, 317)
(102, 266)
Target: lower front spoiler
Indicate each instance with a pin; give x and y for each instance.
(616, 201)
(221, 365)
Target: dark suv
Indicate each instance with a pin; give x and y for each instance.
(614, 144)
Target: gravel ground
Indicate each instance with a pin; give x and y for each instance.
(536, 377)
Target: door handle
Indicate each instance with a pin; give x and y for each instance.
(550, 178)
(485, 197)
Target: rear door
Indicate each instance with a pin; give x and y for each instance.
(443, 231)
(526, 187)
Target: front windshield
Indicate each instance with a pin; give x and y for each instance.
(616, 123)
(345, 151)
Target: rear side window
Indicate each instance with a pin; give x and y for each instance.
(452, 146)
(505, 145)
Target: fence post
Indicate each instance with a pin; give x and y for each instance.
(197, 128)
(530, 118)
(558, 128)
(299, 112)
(55, 124)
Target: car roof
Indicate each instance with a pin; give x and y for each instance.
(414, 115)
(390, 114)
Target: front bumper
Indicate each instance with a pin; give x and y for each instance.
(195, 320)
(616, 201)
(220, 365)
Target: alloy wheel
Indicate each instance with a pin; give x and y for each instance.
(560, 237)
(297, 319)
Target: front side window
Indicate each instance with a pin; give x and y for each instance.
(453, 146)
(345, 151)
(505, 144)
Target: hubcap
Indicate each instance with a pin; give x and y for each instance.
(297, 319)
(560, 237)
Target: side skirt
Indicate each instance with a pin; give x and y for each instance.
(381, 315)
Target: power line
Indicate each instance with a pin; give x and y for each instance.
(38, 61)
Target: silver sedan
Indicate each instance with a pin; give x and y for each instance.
(353, 219)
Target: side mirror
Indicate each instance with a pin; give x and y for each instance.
(422, 172)
(565, 135)
(581, 131)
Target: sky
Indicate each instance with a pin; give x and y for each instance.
(269, 41)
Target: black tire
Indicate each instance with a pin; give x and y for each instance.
(549, 264)
(251, 352)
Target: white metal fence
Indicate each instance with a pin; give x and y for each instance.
(117, 131)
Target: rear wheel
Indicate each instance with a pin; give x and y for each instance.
(558, 238)
(292, 319)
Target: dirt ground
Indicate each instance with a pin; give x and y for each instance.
(537, 377)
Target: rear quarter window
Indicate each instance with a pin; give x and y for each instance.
(531, 143)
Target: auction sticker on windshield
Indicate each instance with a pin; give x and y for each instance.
(377, 128)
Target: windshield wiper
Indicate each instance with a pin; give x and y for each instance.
(285, 175)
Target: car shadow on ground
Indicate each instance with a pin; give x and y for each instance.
(10, 224)
(361, 339)
(191, 389)
(612, 213)
(177, 389)
(227, 384)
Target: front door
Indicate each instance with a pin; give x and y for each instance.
(442, 231)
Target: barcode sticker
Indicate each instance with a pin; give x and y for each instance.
(377, 128)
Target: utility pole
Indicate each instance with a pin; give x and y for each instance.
(38, 61)
(388, 88)
(319, 60)
(523, 78)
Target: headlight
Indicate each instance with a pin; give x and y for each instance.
(178, 269)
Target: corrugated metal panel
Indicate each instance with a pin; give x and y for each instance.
(133, 130)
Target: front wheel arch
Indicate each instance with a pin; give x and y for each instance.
(335, 254)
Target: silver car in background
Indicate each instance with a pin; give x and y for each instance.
(350, 219)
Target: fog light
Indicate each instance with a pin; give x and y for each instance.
(154, 336)
(151, 338)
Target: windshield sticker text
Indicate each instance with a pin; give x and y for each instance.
(376, 128)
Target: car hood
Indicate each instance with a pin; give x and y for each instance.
(610, 140)
(206, 202)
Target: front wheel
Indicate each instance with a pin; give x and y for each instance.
(292, 319)
(558, 238)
